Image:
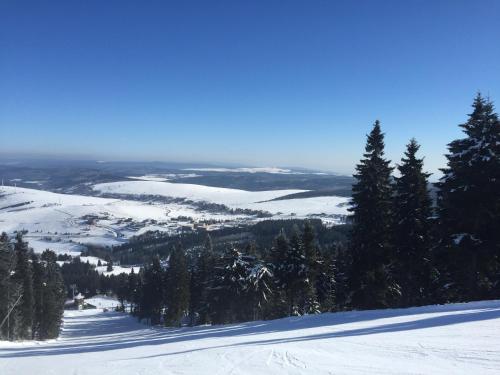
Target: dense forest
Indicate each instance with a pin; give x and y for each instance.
(401, 247)
(32, 292)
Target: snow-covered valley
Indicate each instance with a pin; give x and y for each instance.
(447, 339)
(63, 222)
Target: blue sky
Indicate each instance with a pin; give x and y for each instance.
(267, 83)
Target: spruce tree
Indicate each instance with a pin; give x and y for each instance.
(10, 288)
(53, 296)
(311, 304)
(371, 281)
(326, 282)
(24, 275)
(412, 230)
(38, 291)
(200, 287)
(177, 287)
(298, 289)
(152, 296)
(469, 209)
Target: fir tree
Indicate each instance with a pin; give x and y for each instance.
(177, 287)
(201, 280)
(10, 289)
(371, 281)
(24, 275)
(38, 290)
(152, 295)
(412, 230)
(326, 283)
(469, 209)
(53, 296)
(311, 304)
(229, 287)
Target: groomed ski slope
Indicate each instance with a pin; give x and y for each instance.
(449, 339)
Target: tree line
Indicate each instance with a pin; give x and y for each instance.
(32, 292)
(405, 249)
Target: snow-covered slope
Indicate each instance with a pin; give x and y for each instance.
(62, 222)
(233, 198)
(449, 339)
(53, 220)
(229, 197)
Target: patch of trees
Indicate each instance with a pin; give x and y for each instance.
(32, 292)
(402, 251)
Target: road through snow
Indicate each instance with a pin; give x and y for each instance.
(449, 339)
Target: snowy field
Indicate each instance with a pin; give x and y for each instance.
(62, 222)
(233, 198)
(449, 339)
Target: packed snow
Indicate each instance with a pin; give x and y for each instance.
(448, 339)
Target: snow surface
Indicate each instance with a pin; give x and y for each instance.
(272, 170)
(233, 198)
(62, 222)
(448, 339)
(57, 221)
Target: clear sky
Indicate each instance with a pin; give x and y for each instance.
(265, 83)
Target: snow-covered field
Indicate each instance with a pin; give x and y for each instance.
(233, 198)
(61, 222)
(449, 339)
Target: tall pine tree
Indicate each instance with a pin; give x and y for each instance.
(469, 209)
(177, 287)
(371, 281)
(24, 275)
(412, 230)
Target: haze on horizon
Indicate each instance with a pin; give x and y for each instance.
(250, 83)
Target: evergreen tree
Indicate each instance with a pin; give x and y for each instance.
(229, 287)
(133, 289)
(152, 295)
(24, 275)
(177, 287)
(311, 305)
(258, 283)
(326, 282)
(38, 290)
(202, 273)
(412, 230)
(279, 305)
(297, 284)
(10, 289)
(371, 281)
(53, 295)
(469, 209)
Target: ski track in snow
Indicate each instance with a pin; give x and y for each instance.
(448, 339)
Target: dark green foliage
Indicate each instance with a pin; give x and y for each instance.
(201, 280)
(412, 231)
(152, 296)
(24, 276)
(371, 282)
(52, 297)
(177, 287)
(22, 271)
(469, 209)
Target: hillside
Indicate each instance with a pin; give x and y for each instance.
(448, 339)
